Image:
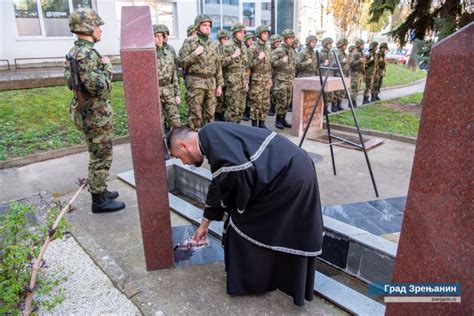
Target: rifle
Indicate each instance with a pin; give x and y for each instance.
(76, 85)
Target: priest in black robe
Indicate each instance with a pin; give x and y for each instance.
(268, 188)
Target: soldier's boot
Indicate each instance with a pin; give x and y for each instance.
(219, 117)
(373, 98)
(334, 107)
(101, 204)
(254, 123)
(111, 194)
(377, 97)
(271, 112)
(366, 100)
(339, 106)
(246, 116)
(278, 122)
(354, 103)
(261, 124)
(284, 122)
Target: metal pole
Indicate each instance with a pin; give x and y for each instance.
(356, 123)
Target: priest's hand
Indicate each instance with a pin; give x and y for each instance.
(201, 232)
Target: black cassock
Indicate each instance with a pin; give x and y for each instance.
(269, 188)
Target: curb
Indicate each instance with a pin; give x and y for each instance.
(404, 85)
(397, 137)
(51, 154)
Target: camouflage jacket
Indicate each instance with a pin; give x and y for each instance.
(325, 57)
(380, 57)
(95, 76)
(370, 65)
(203, 71)
(282, 70)
(341, 54)
(167, 73)
(173, 53)
(234, 68)
(260, 69)
(357, 61)
(305, 68)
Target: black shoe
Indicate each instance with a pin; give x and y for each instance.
(101, 204)
(278, 122)
(219, 117)
(366, 100)
(111, 194)
(354, 104)
(339, 106)
(271, 112)
(254, 123)
(284, 122)
(261, 124)
(246, 116)
(373, 98)
(334, 107)
(377, 97)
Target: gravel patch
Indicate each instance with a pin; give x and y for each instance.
(87, 291)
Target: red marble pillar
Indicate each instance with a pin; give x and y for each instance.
(437, 237)
(137, 50)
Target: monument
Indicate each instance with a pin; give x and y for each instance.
(137, 50)
(437, 236)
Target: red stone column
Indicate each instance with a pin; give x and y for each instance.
(437, 237)
(137, 50)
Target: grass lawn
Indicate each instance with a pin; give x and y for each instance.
(399, 116)
(399, 75)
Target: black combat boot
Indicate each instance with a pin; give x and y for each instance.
(271, 112)
(246, 116)
(101, 204)
(261, 124)
(354, 103)
(339, 106)
(254, 123)
(373, 98)
(278, 123)
(366, 100)
(284, 122)
(377, 97)
(111, 194)
(219, 117)
(334, 107)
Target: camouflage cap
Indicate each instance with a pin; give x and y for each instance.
(310, 38)
(248, 36)
(166, 29)
(84, 20)
(351, 47)
(287, 33)
(326, 40)
(261, 29)
(341, 42)
(275, 38)
(237, 27)
(201, 19)
(221, 34)
(190, 30)
(373, 45)
(159, 28)
(359, 42)
(383, 45)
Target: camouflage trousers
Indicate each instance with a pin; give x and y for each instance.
(339, 95)
(95, 121)
(356, 78)
(220, 108)
(281, 96)
(378, 80)
(234, 100)
(369, 81)
(201, 107)
(169, 108)
(259, 99)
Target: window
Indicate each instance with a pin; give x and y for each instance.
(248, 14)
(47, 18)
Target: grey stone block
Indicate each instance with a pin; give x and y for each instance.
(376, 267)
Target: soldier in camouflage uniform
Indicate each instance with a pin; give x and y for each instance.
(327, 60)
(261, 77)
(307, 62)
(344, 60)
(380, 73)
(168, 80)
(370, 70)
(357, 66)
(248, 40)
(283, 62)
(350, 50)
(234, 68)
(191, 30)
(222, 37)
(91, 109)
(201, 59)
(275, 42)
(166, 45)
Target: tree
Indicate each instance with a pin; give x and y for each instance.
(346, 15)
(371, 26)
(440, 18)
